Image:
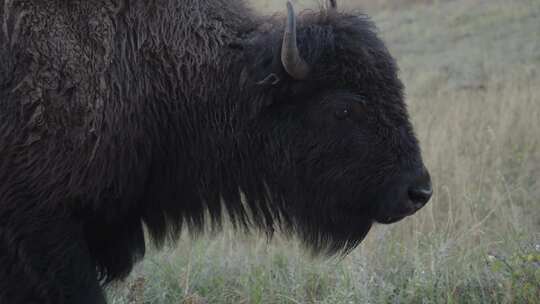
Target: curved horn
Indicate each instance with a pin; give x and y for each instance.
(295, 66)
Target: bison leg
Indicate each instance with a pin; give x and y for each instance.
(43, 259)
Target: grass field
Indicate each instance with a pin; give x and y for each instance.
(472, 72)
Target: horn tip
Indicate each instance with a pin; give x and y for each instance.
(290, 13)
(289, 5)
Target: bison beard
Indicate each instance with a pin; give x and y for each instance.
(168, 114)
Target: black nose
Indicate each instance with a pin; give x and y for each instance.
(420, 191)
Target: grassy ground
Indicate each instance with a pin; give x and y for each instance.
(472, 72)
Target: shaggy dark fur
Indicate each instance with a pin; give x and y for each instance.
(170, 114)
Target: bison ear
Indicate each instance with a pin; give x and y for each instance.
(263, 68)
(271, 79)
(262, 77)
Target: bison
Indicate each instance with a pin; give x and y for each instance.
(120, 116)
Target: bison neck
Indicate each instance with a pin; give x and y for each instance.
(188, 73)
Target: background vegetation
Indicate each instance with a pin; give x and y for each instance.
(472, 72)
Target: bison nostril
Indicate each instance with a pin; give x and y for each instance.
(420, 195)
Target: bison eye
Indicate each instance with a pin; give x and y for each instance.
(342, 113)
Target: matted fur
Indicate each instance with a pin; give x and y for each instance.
(119, 114)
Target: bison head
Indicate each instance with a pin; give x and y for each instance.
(337, 135)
